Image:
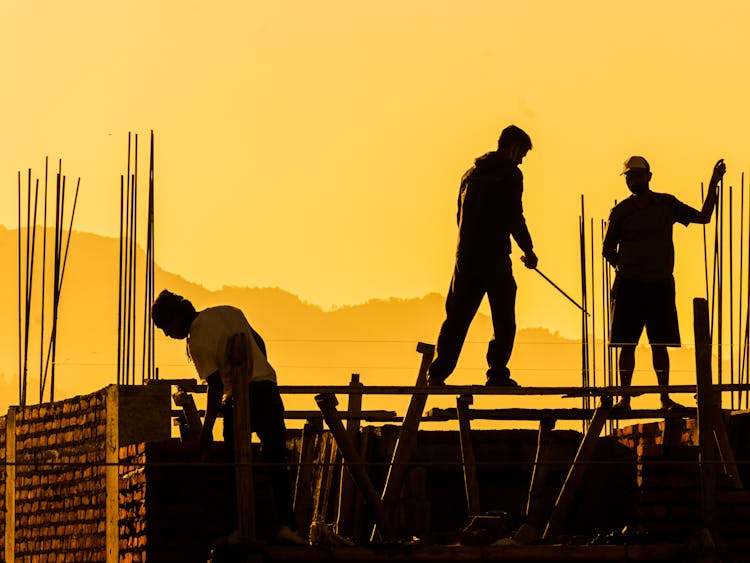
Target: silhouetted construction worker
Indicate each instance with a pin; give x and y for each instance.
(208, 333)
(638, 243)
(489, 213)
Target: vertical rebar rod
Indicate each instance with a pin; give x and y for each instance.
(740, 334)
(593, 309)
(44, 282)
(20, 306)
(119, 287)
(731, 299)
(29, 289)
(720, 305)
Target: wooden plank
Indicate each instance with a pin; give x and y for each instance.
(354, 465)
(725, 448)
(468, 460)
(577, 470)
(303, 496)
(445, 414)
(407, 438)
(112, 474)
(534, 506)
(706, 442)
(347, 489)
(568, 392)
(238, 348)
(10, 484)
(193, 424)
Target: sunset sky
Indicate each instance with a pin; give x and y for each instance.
(317, 146)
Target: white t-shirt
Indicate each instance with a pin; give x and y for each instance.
(207, 342)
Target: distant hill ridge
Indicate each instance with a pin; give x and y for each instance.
(306, 344)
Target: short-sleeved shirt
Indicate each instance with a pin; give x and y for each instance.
(642, 236)
(207, 343)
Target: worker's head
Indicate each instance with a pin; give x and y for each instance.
(173, 314)
(637, 174)
(514, 143)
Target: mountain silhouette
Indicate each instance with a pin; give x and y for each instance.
(306, 345)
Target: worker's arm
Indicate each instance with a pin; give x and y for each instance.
(704, 216)
(213, 404)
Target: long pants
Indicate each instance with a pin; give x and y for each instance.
(267, 421)
(470, 282)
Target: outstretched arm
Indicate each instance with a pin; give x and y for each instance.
(704, 216)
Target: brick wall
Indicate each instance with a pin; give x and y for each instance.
(60, 489)
(669, 488)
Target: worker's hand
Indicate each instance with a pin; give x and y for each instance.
(530, 260)
(719, 169)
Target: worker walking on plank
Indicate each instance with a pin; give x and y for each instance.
(489, 213)
(638, 243)
(208, 333)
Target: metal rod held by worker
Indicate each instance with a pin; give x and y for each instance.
(553, 284)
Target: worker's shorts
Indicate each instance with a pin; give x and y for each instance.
(636, 304)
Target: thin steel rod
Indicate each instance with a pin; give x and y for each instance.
(44, 281)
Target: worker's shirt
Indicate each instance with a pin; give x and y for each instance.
(490, 209)
(207, 344)
(639, 234)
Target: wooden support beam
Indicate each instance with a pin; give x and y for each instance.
(706, 440)
(407, 437)
(112, 473)
(445, 414)
(529, 530)
(577, 470)
(193, 424)
(10, 485)
(303, 498)
(354, 465)
(238, 349)
(454, 390)
(347, 489)
(468, 460)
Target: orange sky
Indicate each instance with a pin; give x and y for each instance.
(317, 146)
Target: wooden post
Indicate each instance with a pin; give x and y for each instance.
(407, 438)
(237, 352)
(468, 460)
(347, 490)
(724, 447)
(112, 473)
(193, 422)
(327, 403)
(577, 470)
(529, 530)
(706, 441)
(10, 485)
(303, 500)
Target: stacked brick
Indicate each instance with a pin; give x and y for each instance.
(669, 495)
(3, 420)
(60, 489)
(172, 503)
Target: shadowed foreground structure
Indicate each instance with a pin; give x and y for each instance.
(99, 478)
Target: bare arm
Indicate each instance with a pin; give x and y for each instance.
(213, 404)
(704, 216)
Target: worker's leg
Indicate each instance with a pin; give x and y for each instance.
(628, 320)
(501, 293)
(267, 421)
(626, 365)
(660, 357)
(464, 296)
(663, 330)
